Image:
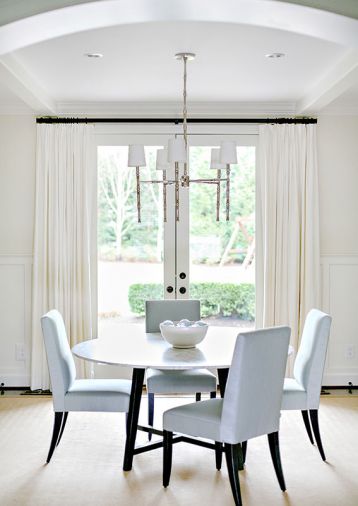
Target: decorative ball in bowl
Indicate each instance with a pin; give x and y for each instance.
(183, 334)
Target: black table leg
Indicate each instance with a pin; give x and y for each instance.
(133, 414)
(222, 373)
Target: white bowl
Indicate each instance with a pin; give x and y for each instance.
(183, 336)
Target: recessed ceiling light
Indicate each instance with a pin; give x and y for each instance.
(275, 55)
(93, 55)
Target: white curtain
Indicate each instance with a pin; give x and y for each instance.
(287, 227)
(64, 269)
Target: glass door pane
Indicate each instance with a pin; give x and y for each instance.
(222, 254)
(130, 254)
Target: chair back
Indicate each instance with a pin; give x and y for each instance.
(254, 386)
(311, 355)
(157, 311)
(59, 357)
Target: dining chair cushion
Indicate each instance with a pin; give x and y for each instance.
(98, 395)
(197, 419)
(295, 396)
(181, 382)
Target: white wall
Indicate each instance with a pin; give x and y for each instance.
(17, 191)
(338, 176)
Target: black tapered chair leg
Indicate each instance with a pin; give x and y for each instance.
(64, 420)
(317, 435)
(56, 430)
(244, 450)
(232, 454)
(218, 455)
(198, 397)
(307, 424)
(167, 456)
(276, 458)
(150, 413)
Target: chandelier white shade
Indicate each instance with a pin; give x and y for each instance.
(215, 162)
(177, 152)
(136, 155)
(162, 159)
(228, 152)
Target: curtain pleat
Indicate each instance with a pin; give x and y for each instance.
(63, 278)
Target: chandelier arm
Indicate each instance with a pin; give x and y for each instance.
(156, 181)
(207, 181)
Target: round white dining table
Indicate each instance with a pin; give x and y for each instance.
(129, 345)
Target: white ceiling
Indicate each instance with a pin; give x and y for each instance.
(230, 75)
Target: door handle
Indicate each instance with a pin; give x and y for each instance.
(170, 289)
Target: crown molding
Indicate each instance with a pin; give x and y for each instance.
(173, 109)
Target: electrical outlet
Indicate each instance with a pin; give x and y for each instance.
(350, 351)
(20, 351)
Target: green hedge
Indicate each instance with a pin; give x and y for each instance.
(217, 299)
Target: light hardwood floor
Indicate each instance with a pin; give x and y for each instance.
(86, 468)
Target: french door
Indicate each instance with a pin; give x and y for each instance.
(193, 257)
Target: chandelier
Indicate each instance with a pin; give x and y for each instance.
(177, 154)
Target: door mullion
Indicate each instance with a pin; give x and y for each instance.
(182, 246)
(169, 247)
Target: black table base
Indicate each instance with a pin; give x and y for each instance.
(132, 422)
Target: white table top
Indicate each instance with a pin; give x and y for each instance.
(129, 345)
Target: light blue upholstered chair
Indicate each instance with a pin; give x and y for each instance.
(69, 393)
(302, 392)
(250, 408)
(192, 381)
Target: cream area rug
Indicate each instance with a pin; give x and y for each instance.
(86, 468)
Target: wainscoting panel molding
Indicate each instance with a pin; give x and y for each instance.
(15, 319)
(340, 299)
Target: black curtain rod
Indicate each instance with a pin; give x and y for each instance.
(176, 121)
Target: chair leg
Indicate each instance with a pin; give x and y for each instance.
(232, 454)
(56, 430)
(213, 394)
(150, 413)
(307, 425)
(64, 420)
(244, 450)
(276, 458)
(218, 455)
(197, 397)
(167, 456)
(315, 427)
